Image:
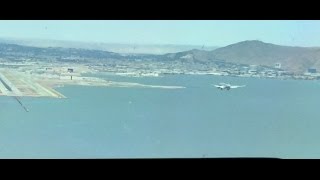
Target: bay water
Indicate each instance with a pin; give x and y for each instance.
(267, 118)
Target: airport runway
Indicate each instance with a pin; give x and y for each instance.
(17, 84)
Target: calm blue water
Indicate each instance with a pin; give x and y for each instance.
(268, 118)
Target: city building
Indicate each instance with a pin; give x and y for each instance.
(278, 65)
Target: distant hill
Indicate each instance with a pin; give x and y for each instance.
(192, 55)
(156, 49)
(14, 50)
(295, 59)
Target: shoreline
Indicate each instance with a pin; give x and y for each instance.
(49, 86)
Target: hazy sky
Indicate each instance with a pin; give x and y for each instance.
(194, 32)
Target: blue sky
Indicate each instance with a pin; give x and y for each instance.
(194, 32)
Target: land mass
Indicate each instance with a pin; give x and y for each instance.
(35, 71)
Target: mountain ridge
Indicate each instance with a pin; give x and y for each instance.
(253, 52)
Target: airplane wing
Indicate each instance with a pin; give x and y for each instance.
(234, 87)
(218, 86)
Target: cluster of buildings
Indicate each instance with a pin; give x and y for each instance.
(154, 68)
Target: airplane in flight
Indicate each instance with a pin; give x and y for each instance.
(225, 86)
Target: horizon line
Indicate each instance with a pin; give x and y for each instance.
(145, 44)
